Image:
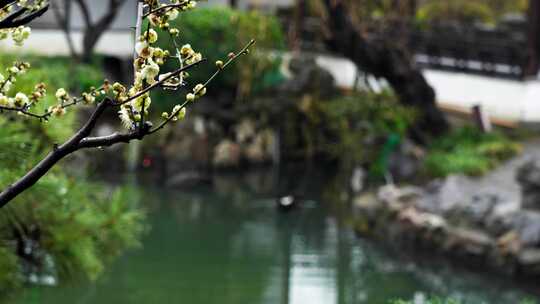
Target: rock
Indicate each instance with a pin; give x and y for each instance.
(422, 219)
(245, 131)
(450, 195)
(404, 195)
(255, 153)
(527, 224)
(367, 205)
(227, 154)
(529, 257)
(481, 206)
(500, 220)
(475, 210)
(308, 76)
(528, 175)
(357, 180)
(261, 149)
(404, 164)
(469, 241)
(181, 147)
(531, 200)
(529, 178)
(509, 243)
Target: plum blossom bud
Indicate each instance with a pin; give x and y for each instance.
(57, 111)
(174, 31)
(182, 113)
(139, 46)
(186, 50)
(4, 100)
(88, 98)
(61, 94)
(199, 90)
(172, 14)
(21, 100)
(151, 36)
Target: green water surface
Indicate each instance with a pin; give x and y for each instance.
(227, 244)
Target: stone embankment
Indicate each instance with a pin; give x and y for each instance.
(493, 221)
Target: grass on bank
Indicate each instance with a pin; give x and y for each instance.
(468, 151)
(449, 301)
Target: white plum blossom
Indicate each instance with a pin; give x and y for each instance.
(4, 100)
(61, 94)
(150, 72)
(21, 100)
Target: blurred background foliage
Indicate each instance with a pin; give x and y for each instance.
(218, 31)
(487, 11)
(467, 150)
(350, 126)
(56, 72)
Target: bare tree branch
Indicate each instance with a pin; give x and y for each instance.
(65, 23)
(58, 153)
(20, 17)
(85, 12)
(93, 30)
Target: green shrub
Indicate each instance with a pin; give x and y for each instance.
(56, 73)
(468, 151)
(487, 11)
(219, 30)
(364, 116)
(9, 271)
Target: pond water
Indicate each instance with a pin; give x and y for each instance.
(227, 243)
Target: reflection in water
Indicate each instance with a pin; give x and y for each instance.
(228, 244)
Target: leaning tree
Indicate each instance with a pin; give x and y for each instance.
(133, 101)
(358, 30)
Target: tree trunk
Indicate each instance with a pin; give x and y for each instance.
(94, 31)
(386, 59)
(296, 31)
(534, 42)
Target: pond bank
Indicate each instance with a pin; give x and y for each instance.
(480, 221)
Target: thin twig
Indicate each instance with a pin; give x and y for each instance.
(159, 83)
(218, 71)
(164, 7)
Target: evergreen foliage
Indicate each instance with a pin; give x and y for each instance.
(61, 227)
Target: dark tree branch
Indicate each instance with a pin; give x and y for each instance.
(385, 59)
(85, 12)
(109, 140)
(25, 15)
(58, 153)
(93, 30)
(65, 23)
(164, 8)
(4, 3)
